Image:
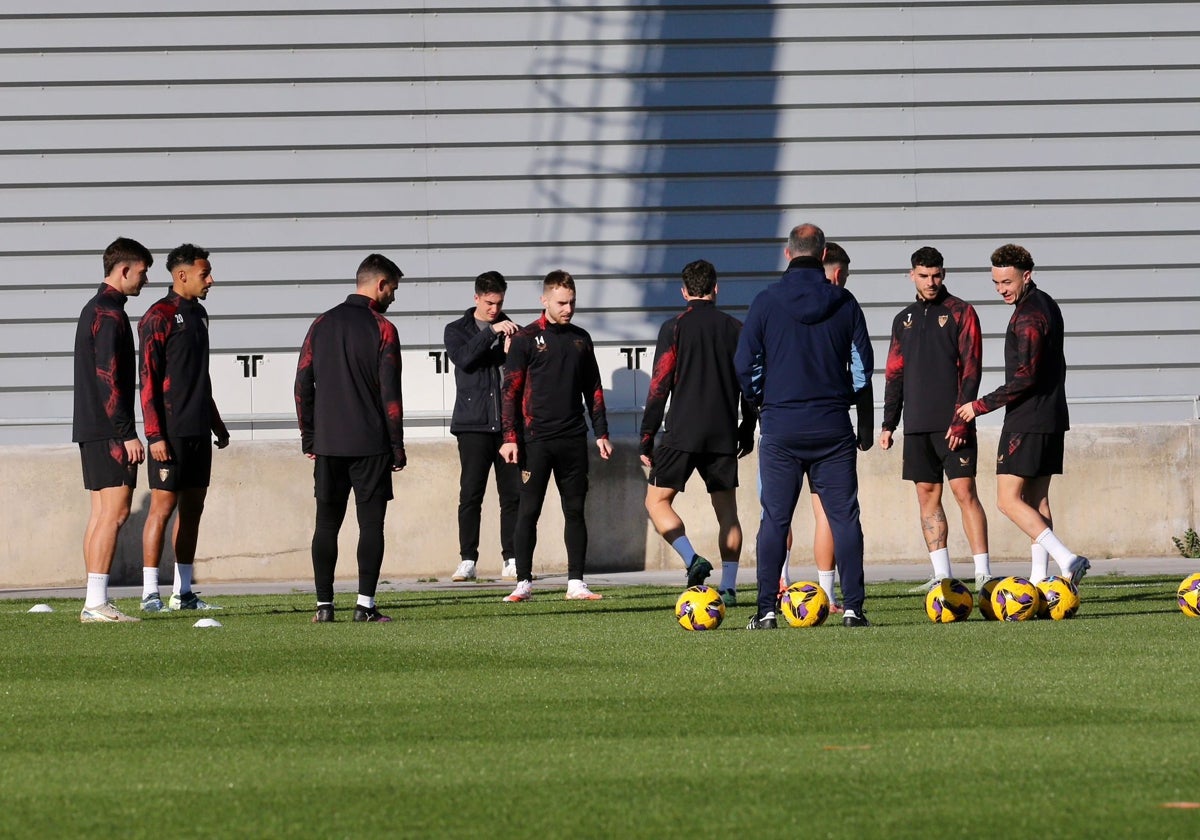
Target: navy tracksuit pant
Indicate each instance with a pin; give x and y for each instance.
(830, 464)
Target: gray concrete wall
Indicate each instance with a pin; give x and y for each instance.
(1127, 491)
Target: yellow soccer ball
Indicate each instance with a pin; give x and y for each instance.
(700, 608)
(1189, 596)
(1060, 598)
(804, 604)
(949, 601)
(985, 599)
(1015, 599)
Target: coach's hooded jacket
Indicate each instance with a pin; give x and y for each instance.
(810, 338)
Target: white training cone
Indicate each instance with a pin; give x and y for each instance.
(41, 608)
(207, 622)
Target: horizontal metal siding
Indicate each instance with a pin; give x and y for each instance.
(617, 140)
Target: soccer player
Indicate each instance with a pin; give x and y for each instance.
(105, 382)
(476, 343)
(933, 366)
(351, 414)
(549, 377)
(801, 334)
(1034, 398)
(693, 366)
(181, 419)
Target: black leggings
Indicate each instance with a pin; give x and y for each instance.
(371, 514)
(567, 460)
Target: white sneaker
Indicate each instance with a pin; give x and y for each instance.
(523, 592)
(577, 590)
(509, 570)
(926, 587)
(465, 571)
(981, 579)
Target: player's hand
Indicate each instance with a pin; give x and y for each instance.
(605, 448)
(507, 343)
(134, 453)
(504, 327)
(160, 452)
(310, 456)
(954, 440)
(745, 445)
(865, 439)
(646, 461)
(966, 412)
(510, 453)
(399, 459)
(885, 439)
(222, 440)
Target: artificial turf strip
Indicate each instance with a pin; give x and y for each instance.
(468, 717)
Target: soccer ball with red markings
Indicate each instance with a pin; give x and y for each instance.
(700, 608)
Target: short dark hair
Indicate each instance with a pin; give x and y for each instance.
(123, 250)
(699, 278)
(835, 254)
(929, 257)
(185, 254)
(558, 279)
(377, 265)
(806, 240)
(1013, 256)
(490, 283)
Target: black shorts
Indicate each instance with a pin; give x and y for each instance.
(673, 467)
(369, 475)
(106, 464)
(190, 465)
(927, 457)
(1030, 454)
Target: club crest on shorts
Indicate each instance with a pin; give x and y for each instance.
(525, 474)
(164, 473)
(942, 319)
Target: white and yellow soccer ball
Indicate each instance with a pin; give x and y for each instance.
(949, 601)
(1060, 598)
(1189, 596)
(804, 604)
(700, 608)
(1015, 599)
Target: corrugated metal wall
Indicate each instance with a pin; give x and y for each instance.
(617, 140)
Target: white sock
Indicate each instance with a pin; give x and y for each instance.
(786, 576)
(826, 581)
(1061, 554)
(97, 590)
(149, 581)
(941, 563)
(729, 572)
(983, 564)
(1041, 559)
(183, 578)
(367, 601)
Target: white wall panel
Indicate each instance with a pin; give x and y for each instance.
(619, 140)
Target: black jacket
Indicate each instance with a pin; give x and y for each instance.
(478, 356)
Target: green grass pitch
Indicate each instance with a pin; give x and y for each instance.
(469, 717)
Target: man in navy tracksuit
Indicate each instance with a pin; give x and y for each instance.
(549, 377)
(804, 332)
(351, 414)
(477, 343)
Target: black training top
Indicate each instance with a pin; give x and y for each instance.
(549, 376)
(348, 398)
(933, 366)
(176, 389)
(105, 370)
(693, 365)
